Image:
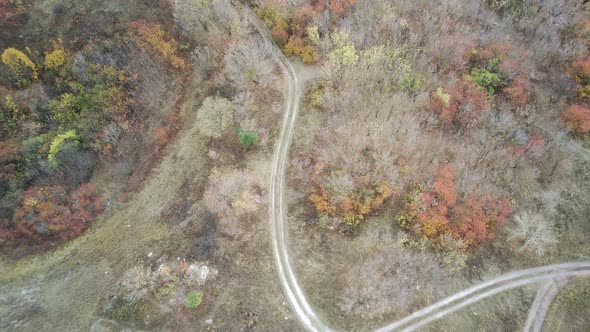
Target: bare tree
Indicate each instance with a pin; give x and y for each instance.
(533, 231)
(248, 63)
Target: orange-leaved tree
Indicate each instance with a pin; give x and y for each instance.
(577, 119)
(472, 219)
(154, 38)
(50, 214)
(463, 103)
(348, 206)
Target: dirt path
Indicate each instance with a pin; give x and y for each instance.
(70, 281)
(540, 307)
(289, 282)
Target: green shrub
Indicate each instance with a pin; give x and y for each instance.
(493, 64)
(412, 83)
(30, 147)
(193, 299)
(344, 53)
(247, 137)
(490, 82)
(123, 310)
(58, 142)
(11, 113)
(317, 97)
(324, 220)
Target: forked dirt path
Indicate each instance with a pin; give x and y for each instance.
(486, 289)
(291, 286)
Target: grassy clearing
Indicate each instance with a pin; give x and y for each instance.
(506, 312)
(569, 311)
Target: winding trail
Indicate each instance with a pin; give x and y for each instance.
(294, 292)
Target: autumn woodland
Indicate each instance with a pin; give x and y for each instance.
(438, 144)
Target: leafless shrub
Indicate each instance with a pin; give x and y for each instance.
(392, 279)
(234, 195)
(215, 115)
(31, 128)
(205, 60)
(138, 282)
(193, 16)
(453, 255)
(109, 135)
(141, 281)
(550, 201)
(124, 168)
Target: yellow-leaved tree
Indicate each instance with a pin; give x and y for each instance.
(55, 59)
(19, 64)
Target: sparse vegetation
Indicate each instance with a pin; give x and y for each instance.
(391, 277)
(234, 196)
(455, 119)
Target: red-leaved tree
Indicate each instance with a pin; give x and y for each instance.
(463, 104)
